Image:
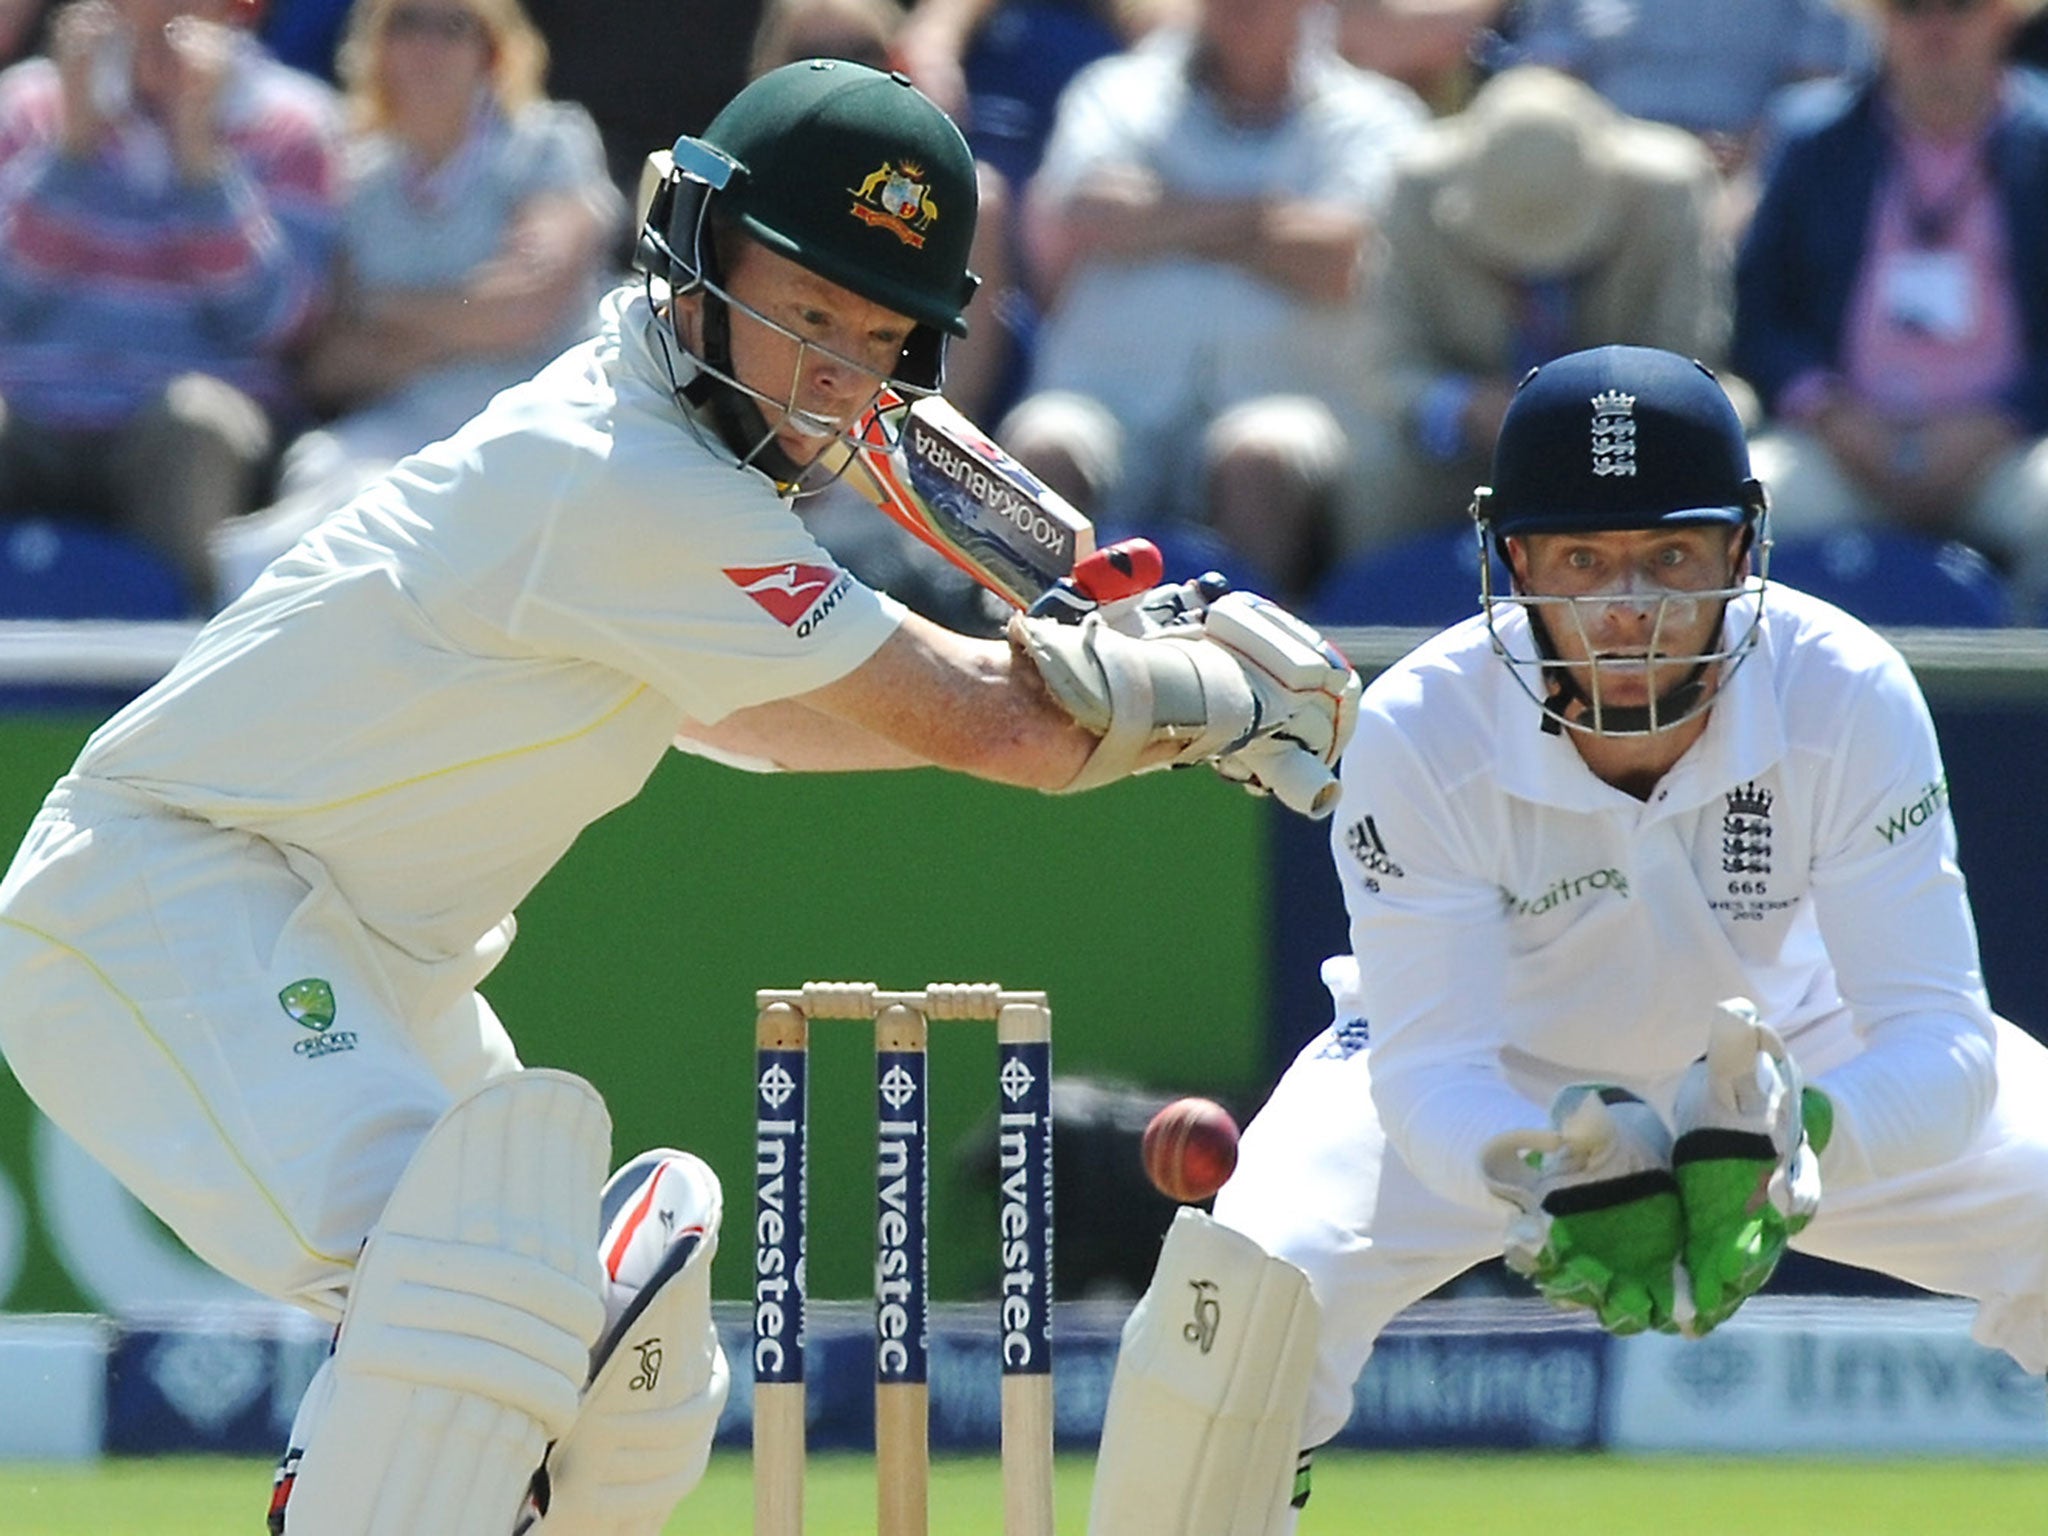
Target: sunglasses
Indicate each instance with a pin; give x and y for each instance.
(1931, 7)
(428, 21)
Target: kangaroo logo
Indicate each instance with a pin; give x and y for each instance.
(789, 591)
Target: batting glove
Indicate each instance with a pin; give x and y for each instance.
(1308, 702)
(1747, 1161)
(1598, 1223)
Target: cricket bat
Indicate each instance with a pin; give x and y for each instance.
(945, 480)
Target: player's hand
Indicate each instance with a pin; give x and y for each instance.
(1307, 696)
(1746, 1158)
(1598, 1223)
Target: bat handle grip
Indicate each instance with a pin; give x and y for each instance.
(1302, 782)
(1063, 601)
(1120, 570)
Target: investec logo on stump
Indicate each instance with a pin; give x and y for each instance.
(902, 1324)
(779, 1219)
(1024, 1152)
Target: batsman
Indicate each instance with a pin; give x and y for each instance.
(1661, 964)
(242, 942)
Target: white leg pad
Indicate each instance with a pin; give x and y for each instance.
(469, 1322)
(659, 1380)
(1203, 1426)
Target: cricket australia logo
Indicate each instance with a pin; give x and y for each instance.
(1363, 838)
(1746, 831)
(1614, 433)
(896, 198)
(310, 1004)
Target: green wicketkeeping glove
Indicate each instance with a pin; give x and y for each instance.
(1747, 1161)
(1599, 1223)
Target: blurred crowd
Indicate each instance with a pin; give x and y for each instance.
(1259, 275)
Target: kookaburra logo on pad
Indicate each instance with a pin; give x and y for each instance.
(1200, 1329)
(1614, 433)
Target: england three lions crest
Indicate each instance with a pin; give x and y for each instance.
(896, 198)
(1614, 433)
(1746, 831)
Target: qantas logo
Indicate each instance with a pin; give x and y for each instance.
(791, 591)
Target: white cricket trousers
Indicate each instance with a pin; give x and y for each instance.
(150, 1004)
(1317, 1184)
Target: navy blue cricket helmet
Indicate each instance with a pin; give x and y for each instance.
(1617, 438)
(1611, 440)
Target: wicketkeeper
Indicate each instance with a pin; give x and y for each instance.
(1661, 964)
(241, 945)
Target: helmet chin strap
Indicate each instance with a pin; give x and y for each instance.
(1674, 704)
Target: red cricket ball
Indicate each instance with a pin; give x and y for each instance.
(1190, 1149)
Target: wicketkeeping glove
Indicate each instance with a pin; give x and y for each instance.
(1746, 1158)
(1599, 1224)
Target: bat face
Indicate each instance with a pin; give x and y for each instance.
(940, 476)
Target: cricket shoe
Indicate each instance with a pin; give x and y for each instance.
(658, 1378)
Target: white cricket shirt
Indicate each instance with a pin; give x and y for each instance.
(449, 679)
(1518, 924)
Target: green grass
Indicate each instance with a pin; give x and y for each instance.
(1355, 1496)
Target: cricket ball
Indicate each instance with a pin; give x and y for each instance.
(1190, 1148)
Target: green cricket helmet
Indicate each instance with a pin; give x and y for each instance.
(850, 173)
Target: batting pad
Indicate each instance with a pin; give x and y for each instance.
(659, 1379)
(1204, 1420)
(469, 1322)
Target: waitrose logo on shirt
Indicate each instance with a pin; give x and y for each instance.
(1565, 891)
(1909, 818)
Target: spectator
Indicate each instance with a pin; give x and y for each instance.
(1430, 46)
(1707, 68)
(22, 24)
(646, 69)
(1199, 226)
(1892, 293)
(999, 65)
(167, 220)
(1538, 221)
(477, 216)
(305, 34)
